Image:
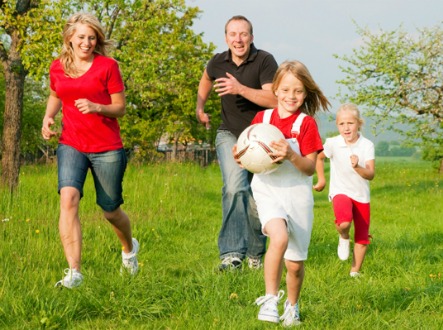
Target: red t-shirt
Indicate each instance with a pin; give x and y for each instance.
(309, 138)
(88, 132)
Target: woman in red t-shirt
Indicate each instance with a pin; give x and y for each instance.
(88, 87)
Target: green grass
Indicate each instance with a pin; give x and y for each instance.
(175, 211)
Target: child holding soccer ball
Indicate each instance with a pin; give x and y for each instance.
(352, 167)
(284, 197)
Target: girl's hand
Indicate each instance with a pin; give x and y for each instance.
(354, 161)
(236, 158)
(282, 150)
(320, 185)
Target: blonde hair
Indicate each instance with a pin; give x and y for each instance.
(67, 53)
(315, 99)
(351, 107)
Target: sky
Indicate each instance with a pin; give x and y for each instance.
(312, 31)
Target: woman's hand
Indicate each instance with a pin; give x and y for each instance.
(85, 106)
(47, 133)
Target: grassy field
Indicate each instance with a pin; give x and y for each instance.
(175, 210)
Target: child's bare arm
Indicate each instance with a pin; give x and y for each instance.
(305, 164)
(320, 169)
(367, 172)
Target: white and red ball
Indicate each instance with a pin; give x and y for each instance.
(253, 148)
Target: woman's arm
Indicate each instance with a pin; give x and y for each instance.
(116, 109)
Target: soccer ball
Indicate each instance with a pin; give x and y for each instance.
(253, 148)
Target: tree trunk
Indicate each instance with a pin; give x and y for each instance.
(15, 81)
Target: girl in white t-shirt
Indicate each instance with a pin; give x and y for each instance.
(352, 167)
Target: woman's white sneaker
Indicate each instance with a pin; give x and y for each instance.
(130, 262)
(72, 279)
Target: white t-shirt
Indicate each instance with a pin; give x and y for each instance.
(343, 178)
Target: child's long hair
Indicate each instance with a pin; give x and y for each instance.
(67, 53)
(315, 99)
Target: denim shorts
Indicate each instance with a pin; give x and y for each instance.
(107, 169)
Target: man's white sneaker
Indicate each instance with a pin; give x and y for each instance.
(255, 263)
(269, 310)
(291, 315)
(354, 274)
(343, 248)
(72, 279)
(130, 262)
(230, 263)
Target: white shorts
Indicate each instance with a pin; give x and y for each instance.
(289, 197)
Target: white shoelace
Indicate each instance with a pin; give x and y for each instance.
(263, 299)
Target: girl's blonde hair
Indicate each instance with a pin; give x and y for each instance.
(67, 53)
(351, 107)
(315, 99)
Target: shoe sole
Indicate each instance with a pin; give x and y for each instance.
(236, 265)
(293, 323)
(228, 268)
(343, 256)
(269, 318)
(60, 284)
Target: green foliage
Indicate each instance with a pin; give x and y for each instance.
(162, 60)
(398, 78)
(32, 143)
(163, 93)
(382, 148)
(176, 215)
(160, 56)
(393, 149)
(38, 42)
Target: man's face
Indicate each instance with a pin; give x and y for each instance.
(239, 39)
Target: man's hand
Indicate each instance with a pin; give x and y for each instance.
(229, 85)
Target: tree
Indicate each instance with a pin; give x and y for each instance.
(24, 30)
(32, 146)
(382, 148)
(161, 60)
(398, 78)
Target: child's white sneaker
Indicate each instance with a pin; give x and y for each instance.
(343, 248)
(291, 315)
(269, 310)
